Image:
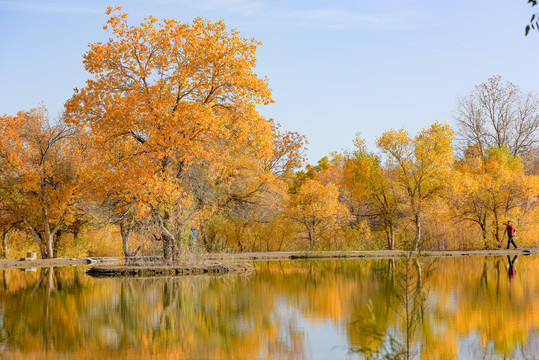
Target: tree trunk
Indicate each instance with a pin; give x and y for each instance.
(417, 231)
(311, 239)
(125, 232)
(39, 240)
(312, 235)
(496, 227)
(170, 251)
(484, 232)
(4, 243)
(49, 251)
(56, 241)
(390, 233)
(238, 233)
(392, 237)
(166, 248)
(174, 250)
(255, 240)
(48, 233)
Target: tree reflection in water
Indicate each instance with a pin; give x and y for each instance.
(69, 315)
(388, 328)
(403, 308)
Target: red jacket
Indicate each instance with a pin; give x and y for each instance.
(510, 230)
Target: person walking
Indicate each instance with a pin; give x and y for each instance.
(510, 231)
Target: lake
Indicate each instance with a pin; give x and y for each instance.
(452, 307)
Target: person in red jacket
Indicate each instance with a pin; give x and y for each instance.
(510, 231)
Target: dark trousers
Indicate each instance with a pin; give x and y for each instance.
(510, 241)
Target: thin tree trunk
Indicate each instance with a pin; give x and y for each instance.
(312, 235)
(56, 241)
(49, 252)
(4, 243)
(238, 237)
(392, 237)
(166, 248)
(255, 240)
(496, 227)
(417, 231)
(485, 235)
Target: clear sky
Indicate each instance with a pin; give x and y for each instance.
(336, 67)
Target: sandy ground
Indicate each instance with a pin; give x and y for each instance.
(265, 256)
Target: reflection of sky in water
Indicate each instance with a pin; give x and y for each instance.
(469, 309)
(323, 340)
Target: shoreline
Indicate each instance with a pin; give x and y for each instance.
(6, 264)
(370, 254)
(173, 270)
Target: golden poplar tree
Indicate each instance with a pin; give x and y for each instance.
(368, 182)
(40, 180)
(166, 95)
(423, 165)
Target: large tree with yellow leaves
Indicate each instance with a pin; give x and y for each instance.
(166, 95)
(423, 166)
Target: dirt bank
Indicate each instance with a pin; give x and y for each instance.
(383, 254)
(266, 256)
(148, 270)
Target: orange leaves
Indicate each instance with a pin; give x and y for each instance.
(110, 9)
(317, 210)
(170, 90)
(422, 165)
(167, 96)
(434, 146)
(426, 157)
(491, 188)
(168, 75)
(41, 166)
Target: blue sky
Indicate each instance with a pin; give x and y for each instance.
(335, 67)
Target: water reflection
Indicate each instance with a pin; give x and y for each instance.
(390, 326)
(405, 308)
(511, 267)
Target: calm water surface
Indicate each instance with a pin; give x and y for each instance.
(467, 308)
